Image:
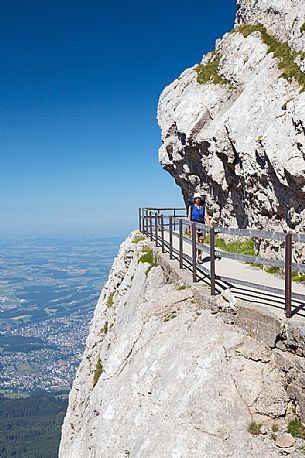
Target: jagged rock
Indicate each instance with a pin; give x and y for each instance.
(242, 144)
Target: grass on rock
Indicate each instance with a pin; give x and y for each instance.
(209, 72)
(296, 428)
(254, 428)
(281, 50)
(182, 287)
(298, 277)
(148, 256)
(98, 371)
(110, 300)
(138, 239)
(245, 246)
(104, 329)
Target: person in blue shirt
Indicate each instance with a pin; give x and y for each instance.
(198, 213)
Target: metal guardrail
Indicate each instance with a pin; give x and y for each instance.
(152, 222)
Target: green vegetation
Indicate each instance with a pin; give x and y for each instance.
(296, 428)
(209, 71)
(148, 257)
(104, 329)
(271, 269)
(259, 138)
(98, 371)
(254, 428)
(110, 300)
(302, 28)
(297, 276)
(182, 287)
(290, 69)
(30, 427)
(245, 246)
(138, 239)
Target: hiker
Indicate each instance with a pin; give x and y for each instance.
(198, 213)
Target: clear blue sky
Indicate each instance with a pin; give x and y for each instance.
(80, 82)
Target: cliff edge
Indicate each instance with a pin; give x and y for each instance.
(162, 376)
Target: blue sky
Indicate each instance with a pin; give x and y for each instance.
(80, 82)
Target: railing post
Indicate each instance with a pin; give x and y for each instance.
(194, 251)
(156, 229)
(170, 237)
(140, 219)
(150, 225)
(146, 221)
(212, 260)
(162, 234)
(288, 274)
(180, 244)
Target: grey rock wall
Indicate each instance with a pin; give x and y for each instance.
(242, 145)
(177, 381)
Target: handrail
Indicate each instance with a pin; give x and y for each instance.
(152, 221)
(162, 209)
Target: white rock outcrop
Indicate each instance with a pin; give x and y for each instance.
(242, 144)
(176, 381)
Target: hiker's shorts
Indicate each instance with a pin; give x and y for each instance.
(201, 234)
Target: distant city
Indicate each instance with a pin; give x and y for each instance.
(48, 292)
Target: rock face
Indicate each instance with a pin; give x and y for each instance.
(175, 380)
(242, 143)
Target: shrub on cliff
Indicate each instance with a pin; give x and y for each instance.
(148, 257)
(209, 73)
(110, 300)
(98, 371)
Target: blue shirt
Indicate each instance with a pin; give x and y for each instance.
(198, 214)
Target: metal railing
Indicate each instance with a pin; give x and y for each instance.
(155, 222)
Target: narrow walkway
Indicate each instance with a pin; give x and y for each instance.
(240, 272)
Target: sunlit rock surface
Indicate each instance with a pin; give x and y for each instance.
(242, 144)
(176, 380)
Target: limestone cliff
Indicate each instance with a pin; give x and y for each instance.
(167, 372)
(233, 127)
(163, 376)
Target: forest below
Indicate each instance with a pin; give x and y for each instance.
(30, 427)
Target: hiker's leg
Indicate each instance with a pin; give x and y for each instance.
(199, 239)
